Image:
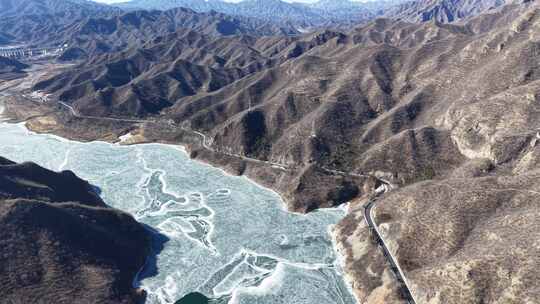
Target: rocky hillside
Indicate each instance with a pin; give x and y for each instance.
(332, 13)
(9, 8)
(446, 113)
(10, 67)
(471, 238)
(443, 10)
(39, 21)
(354, 102)
(61, 243)
(97, 32)
(324, 13)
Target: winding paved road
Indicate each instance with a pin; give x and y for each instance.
(368, 208)
(208, 147)
(75, 114)
(203, 136)
(394, 265)
(345, 173)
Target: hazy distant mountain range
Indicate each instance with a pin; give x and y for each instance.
(81, 8)
(322, 13)
(275, 16)
(442, 10)
(336, 13)
(90, 28)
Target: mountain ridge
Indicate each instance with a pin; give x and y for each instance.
(109, 33)
(443, 10)
(300, 14)
(433, 123)
(63, 244)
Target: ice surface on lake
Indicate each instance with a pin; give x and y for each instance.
(227, 237)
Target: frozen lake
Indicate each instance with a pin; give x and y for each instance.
(223, 236)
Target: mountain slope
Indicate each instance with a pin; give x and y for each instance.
(9, 8)
(325, 100)
(62, 243)
(24, 20)
(8, 65)
(301, 15)
(143, 82)
(446, 113)
(482, 253)
(442, 10)
(117, 31)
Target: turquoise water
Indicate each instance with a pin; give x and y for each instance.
(227, 237)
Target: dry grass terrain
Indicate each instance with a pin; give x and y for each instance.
(60, 242)
(448, 113)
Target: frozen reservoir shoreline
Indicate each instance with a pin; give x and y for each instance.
(222, 235)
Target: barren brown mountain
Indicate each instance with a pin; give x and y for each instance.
(11, 68)
(88, 31)
(60, 242)
(443, 10)
(446, 113)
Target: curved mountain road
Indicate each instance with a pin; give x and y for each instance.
(203, 136)
(368, 208)
(75, 114)
(392, 260)
(209, 148)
